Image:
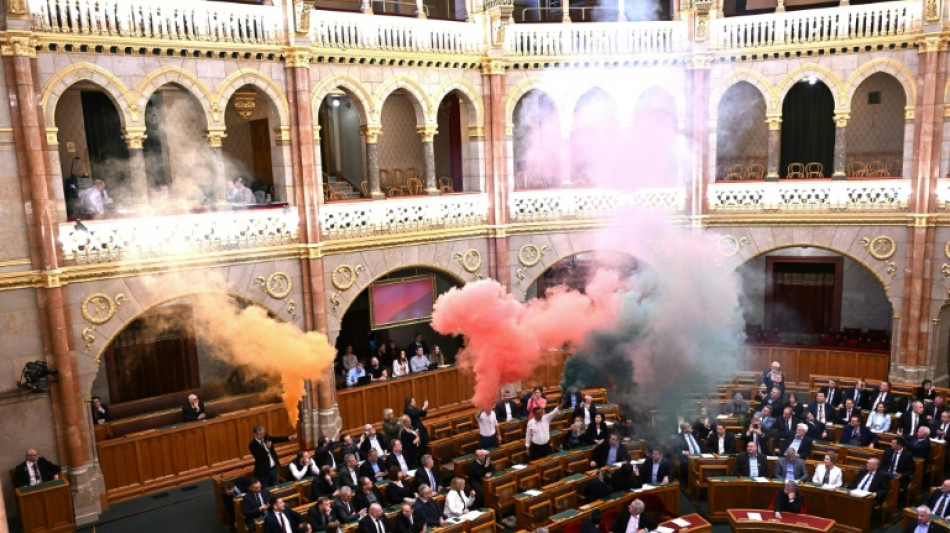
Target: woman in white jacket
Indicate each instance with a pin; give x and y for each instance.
(456, 504)
(828, 467)
(879, 421)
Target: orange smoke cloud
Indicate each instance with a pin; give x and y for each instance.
(507, 339)
(249, 337)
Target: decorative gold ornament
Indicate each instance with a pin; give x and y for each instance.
(892, 268)
(881, 247)
(16, 7)
(933, 10)
(98, 309)
(245, 103)
(471, 261)
(730, 246)
(302, 17)
(292, 309)
(278, 285)
(344, 276)
(531, 254)
(335, 300)
(946, 250)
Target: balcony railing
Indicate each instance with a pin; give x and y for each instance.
(602, 38)
(590, 204)
(401, 215)
(331, 29)
(808, 195)
(176, 20)
(111, 240)
(817, 25)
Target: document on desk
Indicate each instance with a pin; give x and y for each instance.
(471, 515)
(638, 461)
(754, 516)
(722, 417)
(646, 486)
(859, 493)
(828, 487)
(518, 467)
(533, 492)
(707, 456)
(761, 479)
(662, 529)
(680, 522)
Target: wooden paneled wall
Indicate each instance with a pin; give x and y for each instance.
(801, 362)
(151, 460)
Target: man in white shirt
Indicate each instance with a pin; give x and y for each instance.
(924, 523)
(632, 520)
(34, 470)
(94, 199)
(419, 362)
(240, 194)
(538, 434)
(489, 432)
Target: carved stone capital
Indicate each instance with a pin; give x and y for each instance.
(427, 132)
(774, 121)
(842, 117)
(282, 133)
(494, 67)
(933, 43)
(371, 132)
(298, 58)
(20, 44)
(52, 136)
(476, 131)
(134, 136)
(216, 135)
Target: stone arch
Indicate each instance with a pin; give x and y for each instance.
(676, 94)
(886, 66)
(266, 85)
(531, 275)
(838, 89)
(88, 72)
(419, 99)
(829, 248)
(521, 89)
(364, 283)
(188, 82)
(578, 96)
(753, 78)
(472, 98)
(367, 107)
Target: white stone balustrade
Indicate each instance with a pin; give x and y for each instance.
(334, 29)
(601, 38)
(401, 215)
(590, 204)
(176, 20)
(162, 236)
(810, 195)
(817, 25)
(943, 193)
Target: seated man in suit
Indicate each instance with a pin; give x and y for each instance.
(368, 495)
(194, 410)
(254, 503)
(898, 461)
(720, 441)
(832, 394)
(855, 434)
(656, 470)
(751, 463)
(281, 519)
(882, 394)
(34, 470)
(859, 394)
(939, 500)
(100, 411)
(790, 467)
(374, 521)
(406, 519)
(633, 520)
(924, 524)
(373, 467)
(919, 444)
(320, 515)
(821, 410)
(398, 459)
(738, 407)
(592, 523)
(686, 444)
(624, 428)
(785, 426)
(912, 419)
(349, 473)
(816, 429)
(609, 452)
(344, 510)
(800, 442)
(845, 413)
(427, 509)
(871, 480)
(507, 409)
(427, 474)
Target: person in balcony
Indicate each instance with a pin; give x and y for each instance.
(94, 199)
(400, 365)
(240, 194)
(419, 361)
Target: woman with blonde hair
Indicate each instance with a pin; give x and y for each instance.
(456, 504)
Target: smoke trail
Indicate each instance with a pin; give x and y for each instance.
(507, 339)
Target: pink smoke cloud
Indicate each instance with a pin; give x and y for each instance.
(507, 339)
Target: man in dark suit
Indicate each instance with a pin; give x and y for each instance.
(371, 440)
(790, 467)
(633, 519)
(872, 480)
(912, 419)
(426, 509)
(592, 523)
(34, 470)
(254, 503)
(939, 500)
(373, 467)
(194, 410)
(344, 510)
(478, 471)
(919, 444)
(855, 434)
(751, 463)
(281, 518)
(585, 410)
(266, 461)
(368, 495)
(609, 452)
(507, 409)
(923, 524)
(655, 470)
(721, 442)
(427, 474)
(859, 394)
(323, 454)
(398, 459)
(785, 425)
(320, 514)
(941, 428)
(349, 473)
(882, 394)
(374, 521)
(775, 400)
(845, 413)
(800, 441)
(821, 409)
(100, 411)
(898, 461)
(816, 429)
(573, 398)
(833, 394)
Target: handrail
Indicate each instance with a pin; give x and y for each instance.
(558, 13)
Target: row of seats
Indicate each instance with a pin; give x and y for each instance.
(172, 416)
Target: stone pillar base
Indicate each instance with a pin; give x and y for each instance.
(86, 486)
(377, 195)
(910, 374)
(433, 192)
(326, 422)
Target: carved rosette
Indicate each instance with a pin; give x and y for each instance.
(279, 286)
(98, 309)
(529, 255)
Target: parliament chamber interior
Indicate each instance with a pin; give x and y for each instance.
(474, 266)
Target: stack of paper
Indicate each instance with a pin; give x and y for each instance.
(754, 516)
(762, 479)
(661, 529)
(533, 492)
(519, 467)
(707, 456)
(859, 493)
(680, 522)
(471, 515)
(828, 487)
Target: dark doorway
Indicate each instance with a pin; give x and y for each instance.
(808, 127)
(108, 153)
(448, 142)
(803, 294)
(260, 144)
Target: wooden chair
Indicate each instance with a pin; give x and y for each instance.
(888, 508)
(857, 169)
(440, 430)
(505, 495)
(795, 171)
(399, 180)
(735, 172)
(445, 185)
(755, 171)
(877, 168)
(565, 500)
(519, 457)
(530, 482)
(385, 180)
(364, 188)
(814, 170)
(538, 514)
(462, 424)
(551, 473)
(414, 185)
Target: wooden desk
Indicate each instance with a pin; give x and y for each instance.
(738, 519)
(46, 507)
(697, 524)
(839, 505)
